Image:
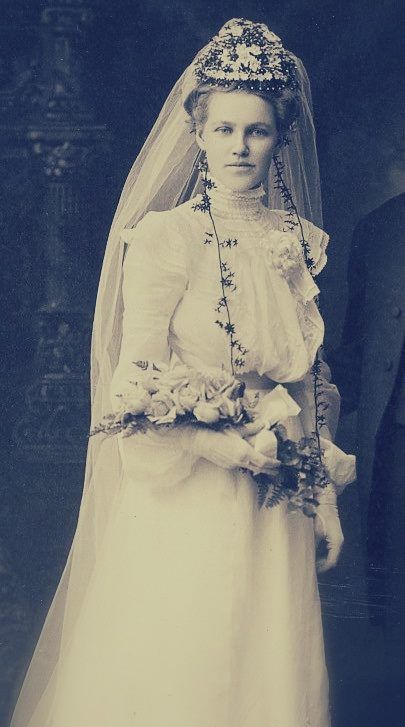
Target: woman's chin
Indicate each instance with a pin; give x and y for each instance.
(238, 180)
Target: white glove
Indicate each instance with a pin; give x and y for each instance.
(229, 450)
(167, 456)
(328, 529)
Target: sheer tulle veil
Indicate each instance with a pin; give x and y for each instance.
(164, 174)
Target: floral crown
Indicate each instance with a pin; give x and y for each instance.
(248, 54)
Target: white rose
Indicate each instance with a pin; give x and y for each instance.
(254, 64)
(186, 397)
(217, 382)
(134, 400)
(285, 251)
(206, 413)
(250, 399)
(255, 49)
(230, 407)
(244, 55)
(162, 409)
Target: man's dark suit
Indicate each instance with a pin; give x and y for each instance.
(368, 369)
(366, 366)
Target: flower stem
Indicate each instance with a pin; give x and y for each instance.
(224, 296)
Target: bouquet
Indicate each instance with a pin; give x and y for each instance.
(166, 397)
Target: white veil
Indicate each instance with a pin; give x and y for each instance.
(163, 175)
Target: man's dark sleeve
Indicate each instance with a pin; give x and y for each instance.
(346, 361)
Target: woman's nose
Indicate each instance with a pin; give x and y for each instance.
(240, 147)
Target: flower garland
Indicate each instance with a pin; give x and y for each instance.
(292, 216)
(292, 221)
(227, 276)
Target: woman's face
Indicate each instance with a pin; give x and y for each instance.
(239, 137)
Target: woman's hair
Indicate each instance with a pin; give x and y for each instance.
(285, 104)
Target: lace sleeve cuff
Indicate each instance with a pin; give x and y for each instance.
(341, 466)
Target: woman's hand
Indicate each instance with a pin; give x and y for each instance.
(229, 450)
(251, 428)
(328, 531)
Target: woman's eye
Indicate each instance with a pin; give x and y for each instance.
(224, 129)
(259, 132)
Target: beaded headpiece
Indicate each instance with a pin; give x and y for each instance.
(246, 54)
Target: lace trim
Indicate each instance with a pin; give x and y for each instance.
(310, 330)
(322, 240)
(229, 204)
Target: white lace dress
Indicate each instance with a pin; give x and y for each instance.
(203, 610)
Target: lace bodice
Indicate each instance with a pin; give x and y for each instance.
(172, 287)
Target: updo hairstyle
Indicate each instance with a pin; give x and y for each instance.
(285, 104)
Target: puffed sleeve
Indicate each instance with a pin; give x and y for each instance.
(317, 240)
(154, 280)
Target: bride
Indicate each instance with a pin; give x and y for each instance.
(184, 604)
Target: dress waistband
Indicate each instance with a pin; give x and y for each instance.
(253, 380)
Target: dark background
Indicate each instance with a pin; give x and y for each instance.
(81, 83)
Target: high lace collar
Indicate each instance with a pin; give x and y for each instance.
(236, 205)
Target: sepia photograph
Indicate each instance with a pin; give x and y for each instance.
(202, 363)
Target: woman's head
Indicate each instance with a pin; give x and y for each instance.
(245, 77)
(239, 130)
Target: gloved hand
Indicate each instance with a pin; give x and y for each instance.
(228, 449)
(167, 456)
(328, 529)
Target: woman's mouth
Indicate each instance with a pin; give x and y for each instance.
(241, 167)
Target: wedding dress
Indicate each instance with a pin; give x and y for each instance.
(202, 609)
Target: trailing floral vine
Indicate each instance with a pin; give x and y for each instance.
(227, 276)
(292, 221)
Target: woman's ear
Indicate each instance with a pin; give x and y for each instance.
(199, 137)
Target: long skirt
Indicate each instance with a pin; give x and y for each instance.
(202, 611)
